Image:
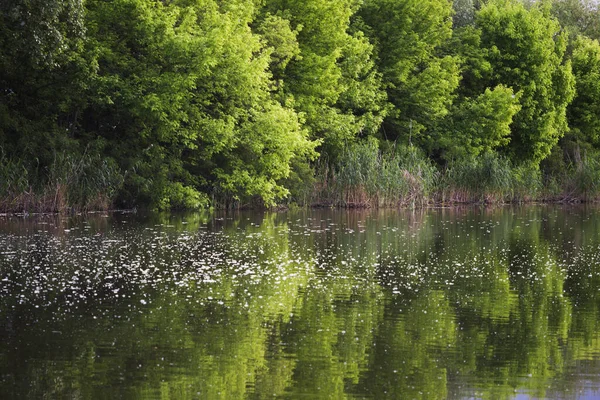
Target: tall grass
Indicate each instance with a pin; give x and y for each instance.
(490, 178)
(83, 182)
(586, 178)
(70, 182)
(407, 177)
(578, 180)
(15, 189)
(365, 176)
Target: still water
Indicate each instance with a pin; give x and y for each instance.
(473, 303)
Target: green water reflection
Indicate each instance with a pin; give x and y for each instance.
(444, 303)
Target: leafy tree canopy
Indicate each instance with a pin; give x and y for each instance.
(526, 49)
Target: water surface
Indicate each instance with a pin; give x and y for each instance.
(500, 303)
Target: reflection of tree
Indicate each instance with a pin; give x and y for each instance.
(517, 343)
(330, 338)
(505, 290)
(332, 305)
(583, 288)
(410, 345)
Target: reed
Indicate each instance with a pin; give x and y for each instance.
(527, 183)
(490, 178)
(365, 176)
(580, 181)
(70, 182)
(14, 183)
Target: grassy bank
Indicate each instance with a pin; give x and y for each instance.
(364, 176)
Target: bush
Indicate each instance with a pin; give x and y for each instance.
(176, 196)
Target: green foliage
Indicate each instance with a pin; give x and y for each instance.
(333, 82)
(584, 111)
(175, 196)
(282, 41)
(464, 13)
(579, 17)
(526, 51)
(363, 95)
(42, 72)
(274, 140)
(481, 124)
(180, 93)
(39, 34)
(420, 81)
(527, 182)
(301, 182)
(190, 82)
(177, 102)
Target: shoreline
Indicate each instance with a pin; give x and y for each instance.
(314, 206)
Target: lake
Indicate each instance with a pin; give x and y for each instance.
(445, 303)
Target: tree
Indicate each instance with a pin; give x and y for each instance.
(464, 13)
(420, 81)
(526, 49)
(184, 97)
(578, 16)
(41, 75)
(584, 112)
(332, 82)
(480, 124)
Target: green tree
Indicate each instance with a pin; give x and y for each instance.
(526, 48)
(464, 13)
(184, 97)
(480, 124)
(332, 81)
(480, 117)
(41, 75)
(584, 111)
(578, 16)
(282, 40)
(420, 81)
